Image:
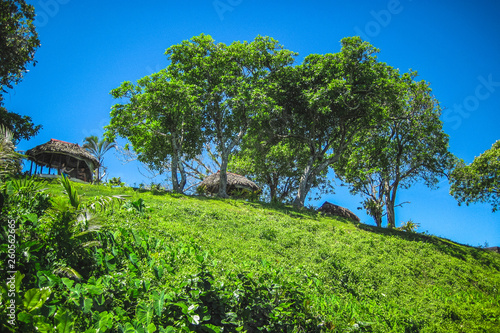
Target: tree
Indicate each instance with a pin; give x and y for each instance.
(162, 120)
(326, 102)
(408, 147)
(18, 43)
(478, 181)
(10, 160)
(233, 81)
(98, 148)
(21, 127)
(18, 40)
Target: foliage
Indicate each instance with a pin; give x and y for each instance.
(409, 226)
(18, 40)
(327, 101)
(18, 43)
(116, 181)
(22, 127)
(480, 180)
(10, 160)
(277, 167)
(233, 84)
(207, 265)
(409, 147)
(98, 148)
(161, 119)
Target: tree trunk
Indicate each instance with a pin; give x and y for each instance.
(273, 188)
(378, 219)
(389, 207)
(173, 169)
(304, 187)
(182, 171)
(223, 176)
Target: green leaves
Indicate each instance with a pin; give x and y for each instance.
(35, 298)
(406, 146)
(480, 180)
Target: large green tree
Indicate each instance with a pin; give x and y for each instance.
(233, 83)
(18, 43)
(326, 102)
(162, 119)
(478, 181)
(18, 40)
(409, 147)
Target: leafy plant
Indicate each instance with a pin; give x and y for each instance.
(137, 206)
(409, 226)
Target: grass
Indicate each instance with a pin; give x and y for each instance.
(357, 277)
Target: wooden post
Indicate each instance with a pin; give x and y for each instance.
(78, 168)
(50, 162)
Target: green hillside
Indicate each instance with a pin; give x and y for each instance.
(159, 262)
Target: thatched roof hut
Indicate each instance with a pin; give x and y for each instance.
(63, 157)
(332, 209)
(235, 183)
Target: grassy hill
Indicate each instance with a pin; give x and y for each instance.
(170, 263)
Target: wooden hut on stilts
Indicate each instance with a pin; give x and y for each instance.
(64, 158)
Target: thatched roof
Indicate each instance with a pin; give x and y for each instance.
(332, 209)
(60, 147)
(234, 182)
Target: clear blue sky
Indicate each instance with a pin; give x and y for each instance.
(90, 47)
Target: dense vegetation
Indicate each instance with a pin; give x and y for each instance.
(285, 125)
(100, 259)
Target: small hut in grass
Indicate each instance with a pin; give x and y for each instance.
(236, 184)
(332, 209)
(64, 158)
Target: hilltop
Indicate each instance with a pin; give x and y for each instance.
(251, 266)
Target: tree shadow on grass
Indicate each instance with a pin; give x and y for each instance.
(446, 246)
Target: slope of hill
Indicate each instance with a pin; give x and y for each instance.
(170, 262)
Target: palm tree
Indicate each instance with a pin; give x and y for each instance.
(10, 160)
(98, 148)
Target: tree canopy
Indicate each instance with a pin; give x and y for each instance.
(162, 119)
(327, 101)
(409, 146)
(18, 43)
(286, 126)
(478, 181)
(233, 83)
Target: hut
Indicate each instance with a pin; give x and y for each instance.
(64, 158)
(332, 209)
(236, 184)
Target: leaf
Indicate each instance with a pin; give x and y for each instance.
(144, 313)
(42, 324)
(127, 328)
(35, 298)
(64, 322)
(87, 305)
(183, 307)
(105, 321)
(158, 302)
(151, 328)
(47, 279)
(158, 272)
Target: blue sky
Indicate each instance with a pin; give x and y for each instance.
(90, 47)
